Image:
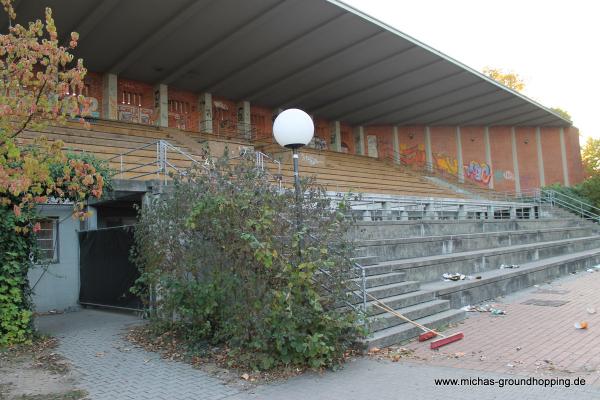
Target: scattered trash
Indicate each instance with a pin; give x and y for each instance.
(512, 266)
(453, 277)
(591, 270)
(245, 376)
(581, 325)
(591, 310)
(519, 348)
(510, 365)
(375, 350)
(484, 308)
(459, 354)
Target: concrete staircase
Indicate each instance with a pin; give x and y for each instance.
(407, 260)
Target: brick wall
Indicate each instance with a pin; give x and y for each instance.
(261, 119)
(385, 140)
(528, 161)
(502, 161)
(347, 139)
(411, 140)
(444, 149)
(183, 110)
(473, 148)
(93, 82)
(572, 144)
(135, 102)
(551, 153)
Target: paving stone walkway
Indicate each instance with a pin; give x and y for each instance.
(537, 336)
(110, 368)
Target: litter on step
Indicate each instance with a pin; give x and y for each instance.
(458, 277)
(484, 308)
(512, 266)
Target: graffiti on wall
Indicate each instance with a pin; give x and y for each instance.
(500, 175)
(414, 155)
(478, 172)
(135, 114)
(446, 163)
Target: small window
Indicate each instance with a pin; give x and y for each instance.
(47, 241)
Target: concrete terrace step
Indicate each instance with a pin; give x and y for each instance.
(401, 248)
(400, 333)
(499, 282)
(401, 301)
(431, 268)
(383, 279)
(373, 230)
(387, 320)
(366, 260)
(394, 289)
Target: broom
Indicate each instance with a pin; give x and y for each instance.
(428, 333)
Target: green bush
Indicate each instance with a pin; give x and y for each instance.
(221, 260)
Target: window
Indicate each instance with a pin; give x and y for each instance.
(47, 240)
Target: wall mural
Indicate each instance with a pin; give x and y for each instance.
(478, 172)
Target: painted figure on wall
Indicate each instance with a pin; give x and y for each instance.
(479, 172)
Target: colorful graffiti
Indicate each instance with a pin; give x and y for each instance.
(479, 172)
(446, 163)
(412, 155)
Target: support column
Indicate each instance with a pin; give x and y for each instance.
(205, 113)
(513, 139)
(459, 156)
(396, 146)
(538, 141)
(244, 125)
(109, 96)
(161, 104)
(359, 140)
(336, 135)
(428, 153)
(488, 154)
(563, 156)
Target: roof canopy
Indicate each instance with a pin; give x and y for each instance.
(322, 56)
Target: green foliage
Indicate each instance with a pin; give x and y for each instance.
(100, 166)
(15, 314)
(590, 155)
(220, 259)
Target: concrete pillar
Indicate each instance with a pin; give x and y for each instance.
(336, 135)
(459, 156)
(386, 211)
(513, 139)
(462, 212)
(540, 157)
(205, 113)
(488, 154)
(161, 104)
(430, 213)
(563, 156)
(359, 140)
(490, 212)
(396, 146)
(109, 96)
(513, 213)
(92, 220)
(367, 215)
(403, 215)
(428, 153)
(244, 124)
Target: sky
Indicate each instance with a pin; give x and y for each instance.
(553, 45)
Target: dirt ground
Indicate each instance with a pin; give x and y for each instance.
(36, 372)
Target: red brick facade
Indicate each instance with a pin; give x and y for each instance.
(138, 102)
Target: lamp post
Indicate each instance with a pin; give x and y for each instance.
(293, 129)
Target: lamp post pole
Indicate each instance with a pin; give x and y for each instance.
(298, 198)
(294, 128)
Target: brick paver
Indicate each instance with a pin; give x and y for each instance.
(110, 368)
(549, 346)
(531, 340)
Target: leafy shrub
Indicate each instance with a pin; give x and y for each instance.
(221, 259)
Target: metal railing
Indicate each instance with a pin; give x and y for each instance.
(569, 203)
(162, 165)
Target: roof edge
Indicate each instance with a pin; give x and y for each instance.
(446, 57)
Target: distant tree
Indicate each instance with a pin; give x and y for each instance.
(509, 79)
(590, 155)
(562, 113)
